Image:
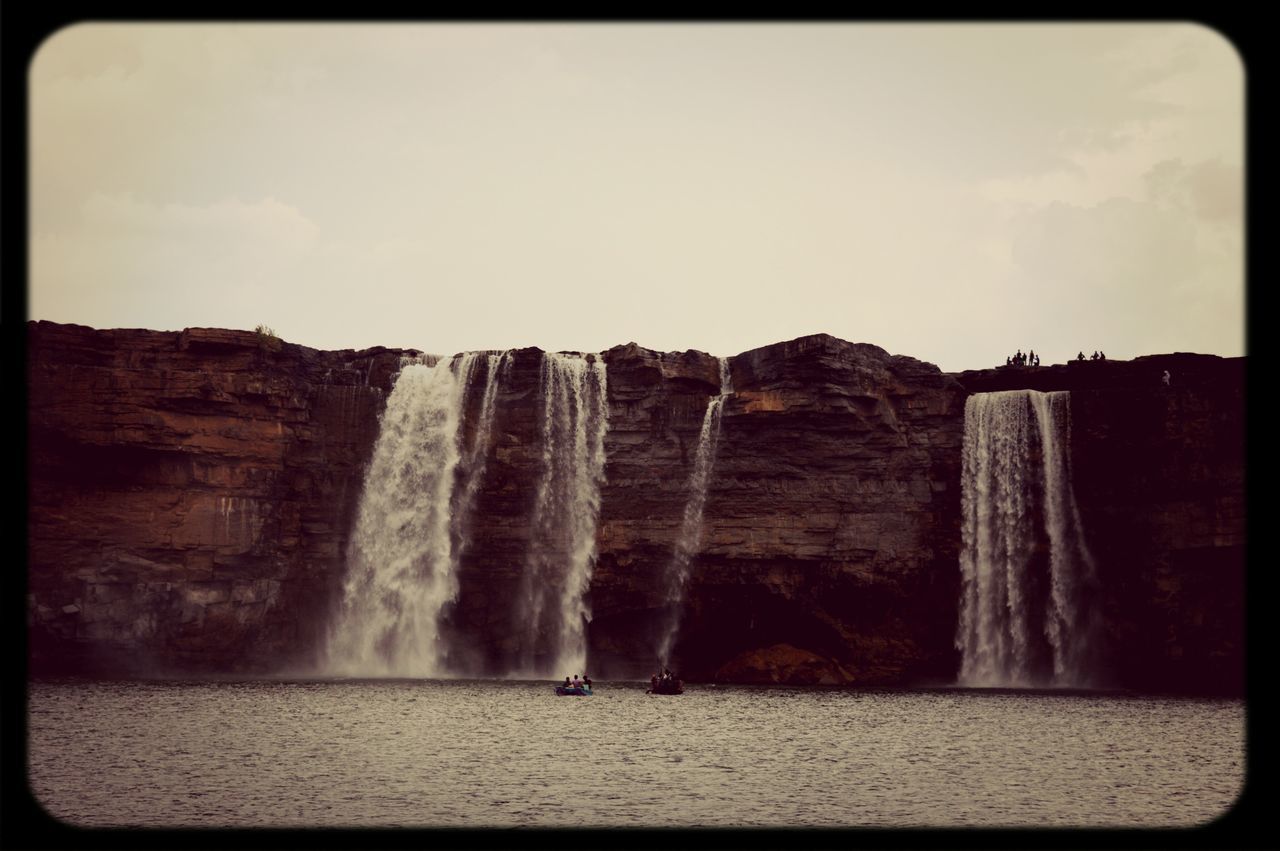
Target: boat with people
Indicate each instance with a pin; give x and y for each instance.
(577, 687)
(665, 683)
(579, 691)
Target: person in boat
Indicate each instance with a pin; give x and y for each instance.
(577, 681)
(567, 684)
(586, 681)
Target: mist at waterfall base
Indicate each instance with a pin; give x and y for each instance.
(496, 753)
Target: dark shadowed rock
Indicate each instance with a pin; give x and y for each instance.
(1159, 476)
(784, 664)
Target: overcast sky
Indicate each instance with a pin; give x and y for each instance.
(950, 192)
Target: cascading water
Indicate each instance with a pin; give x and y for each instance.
(553, 612)
(473, 462)
(403, 554)
(677, 573)
(1029, 584)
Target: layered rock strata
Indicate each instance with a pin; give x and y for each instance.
(190, 494)
(828, 524)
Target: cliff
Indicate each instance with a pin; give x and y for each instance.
(829, 521)
(1159, 476)
(191, 495)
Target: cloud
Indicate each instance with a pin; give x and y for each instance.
(936, 190)
(263, 224)
(1156, 274)
(1213, 190)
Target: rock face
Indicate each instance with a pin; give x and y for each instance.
(1159, 477)
(191, 496)
(829, 544)
(829, 520)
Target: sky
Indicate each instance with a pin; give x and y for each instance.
(951, 192)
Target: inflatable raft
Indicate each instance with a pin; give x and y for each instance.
(580, 691)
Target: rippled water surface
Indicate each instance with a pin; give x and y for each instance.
(491, 753)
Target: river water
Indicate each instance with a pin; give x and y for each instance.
(486, 753)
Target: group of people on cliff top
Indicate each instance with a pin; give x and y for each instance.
(1033, 359)
(578, 682)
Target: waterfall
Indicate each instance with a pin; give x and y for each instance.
(552, 612)
(1073, 624)
(475, 457)
(686, 547)
(403, 554)
(1029, 582)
